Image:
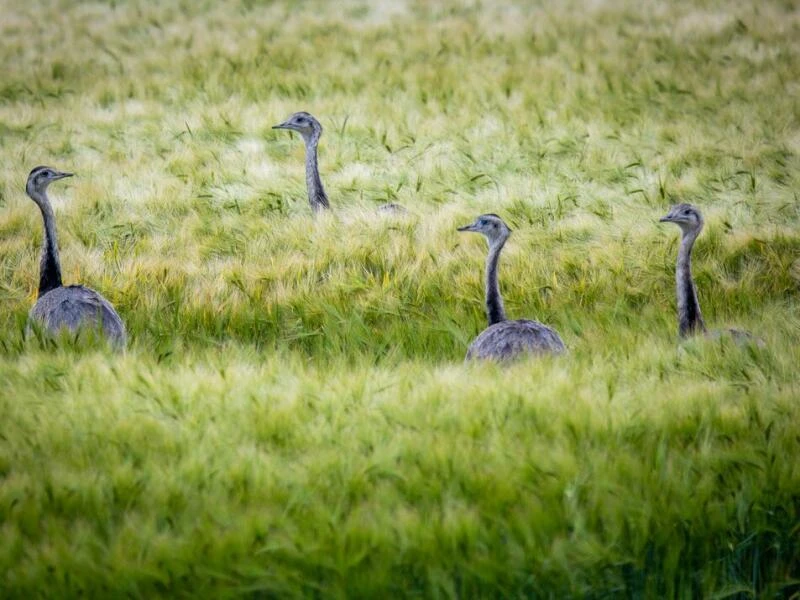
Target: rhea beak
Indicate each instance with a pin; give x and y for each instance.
(665, 219)
(470, 227)
(284, 125)
(62, 175)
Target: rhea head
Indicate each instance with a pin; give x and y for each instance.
(685, 216)
(40, 178)
(491, 226)
(304, 124)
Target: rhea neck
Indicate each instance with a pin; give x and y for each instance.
(50, 266)
(317, 197)
(690, 319)
(494, 301)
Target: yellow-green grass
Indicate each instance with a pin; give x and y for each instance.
(292, 416)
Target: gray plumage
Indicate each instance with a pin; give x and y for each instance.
(690, 319)
(511, 339)
(73, 307)
(311, 131)
(78, 307)
(689, 219)
(504, 339)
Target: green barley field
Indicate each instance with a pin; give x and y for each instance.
(293, 417)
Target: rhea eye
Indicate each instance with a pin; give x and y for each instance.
(482, 222)
(686, 211)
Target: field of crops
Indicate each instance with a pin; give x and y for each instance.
(293, 416)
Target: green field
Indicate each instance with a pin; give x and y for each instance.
(293, 417)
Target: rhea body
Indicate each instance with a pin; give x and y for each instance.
(690, 318)
(504, 339)
(60, 307)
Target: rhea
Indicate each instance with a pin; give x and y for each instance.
(58, 307)
(311, 130)
(690, 319)
(504, 339)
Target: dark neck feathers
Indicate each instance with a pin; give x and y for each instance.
(317, 197)
(494, 301)
(49, 266)
(690, 319)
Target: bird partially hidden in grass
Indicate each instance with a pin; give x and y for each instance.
(59, 308)
(503, 339)
(690, 319)
(311, 131)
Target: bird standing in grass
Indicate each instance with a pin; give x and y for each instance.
(690, 319)
(504, 339)
(311, 130)
(73, 307)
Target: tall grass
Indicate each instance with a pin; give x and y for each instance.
(292, 416)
